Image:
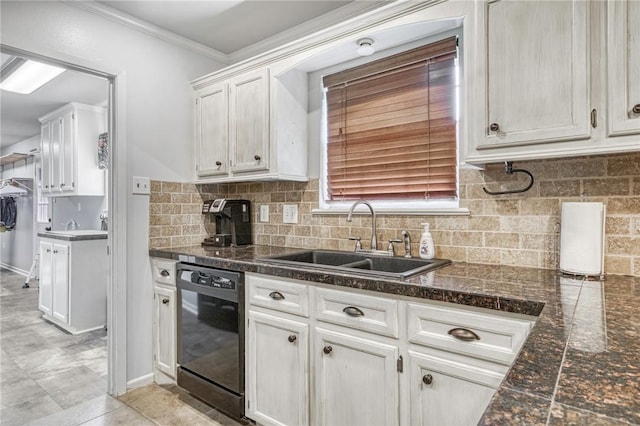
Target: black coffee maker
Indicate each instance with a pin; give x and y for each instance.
(233, 222)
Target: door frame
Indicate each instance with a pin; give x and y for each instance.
(116, 204)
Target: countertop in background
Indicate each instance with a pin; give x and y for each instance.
(580, 364)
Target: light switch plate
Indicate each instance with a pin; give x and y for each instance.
(141, 185)
(290, 213)
(264, 213)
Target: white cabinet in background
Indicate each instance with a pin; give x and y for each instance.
(73, 283)
(68, 146)
(251, 126)
(165, 312)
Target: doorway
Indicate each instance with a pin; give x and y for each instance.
(113, 337)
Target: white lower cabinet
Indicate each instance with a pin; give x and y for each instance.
(165, 319)
(277, 370)
(356, 382)
(73, 283)
(372, 359)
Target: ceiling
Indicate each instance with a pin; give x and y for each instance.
(224, 29)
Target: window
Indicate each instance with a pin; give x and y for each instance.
(391, 127)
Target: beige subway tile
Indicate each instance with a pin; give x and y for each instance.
(526, 258)
(294, 241)
(189, 188)
(542, 169)
(476, 207)
(345, 245)
(540, 242)
(277, 197)
(483, 255)
(454, 253)
(159, 219)
(501, 239)
(560, 188)
(550, 260)
(497, 207)
(623, 205)
(182, 219)
(629, 246)
(439, 237)
(171, 230)
(286, 229)
(330, 220)
(180, 241)
(171, 208)
(471, 176)
(590, 167)
(262, 240)
(155, 231)
(618, 265)
(278, 240)
(636, 266)
(303, 231)
(157, 197)
(451, 223)
(159, 243)
(190, 208)
(155, 186)
(191, 229)
(270, 229)
(624, 165)
(168, 187)
(635, 186)
(321, 231)
(155, 208)
(531, 224)
(635, 225)
(466, 238)
(618, 225)
(540, 206)
(484, 223)
(606, 187)
(180, 198)
(310, 242)
(330, 244)
(310, 196)
(293, 197)
(474, 191)
(263, 197)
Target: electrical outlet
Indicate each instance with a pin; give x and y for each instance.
(264, 213)
(141, 185)
(290, 213)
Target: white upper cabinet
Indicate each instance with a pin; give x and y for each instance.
(540, 91)
(623, 67)
(69, 149)
(251, 126)
(212, 133)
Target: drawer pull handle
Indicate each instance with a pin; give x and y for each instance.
(636, 109)
(464, 334)
(427, 379)
(219, 164)
(257, 158)
(164, 273)
(327, 349)
(494, 127)
(292, 338)
(165, 301)
(276, 295)
(352, 311)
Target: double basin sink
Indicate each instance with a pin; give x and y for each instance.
(361, 263)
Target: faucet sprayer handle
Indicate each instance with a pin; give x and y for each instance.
(391, 249)
(358, 243)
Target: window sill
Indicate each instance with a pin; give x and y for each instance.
(458, 211)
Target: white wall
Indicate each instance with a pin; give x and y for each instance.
(159, 121)
(17, 247)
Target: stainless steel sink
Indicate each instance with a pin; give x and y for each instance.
(384, 266)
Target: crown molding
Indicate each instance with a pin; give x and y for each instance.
(122, 18)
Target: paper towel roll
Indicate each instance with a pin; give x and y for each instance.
(582, 238)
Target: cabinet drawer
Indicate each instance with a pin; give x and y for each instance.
(479, 335)
(164, 271)
(278, 294)
(359, 311)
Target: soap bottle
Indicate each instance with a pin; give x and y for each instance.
(427, 250)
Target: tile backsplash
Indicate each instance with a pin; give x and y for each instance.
(517, 229)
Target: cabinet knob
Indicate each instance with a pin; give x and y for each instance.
(165, 301)
(494, 127)
(636, 109)
(427, 379)
(219, 163)
(463, 334)
(327, 349)
(55, 251)
(48, 250)
(352, 311)
(256, 157)
(164, 273)
(276, 295)
(292, 338)
(61, 185)
(46, 186)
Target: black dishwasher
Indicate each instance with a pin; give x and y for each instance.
(211, 336)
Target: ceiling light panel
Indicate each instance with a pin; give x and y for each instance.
(29, 77)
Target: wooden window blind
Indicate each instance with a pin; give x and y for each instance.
(392, 126)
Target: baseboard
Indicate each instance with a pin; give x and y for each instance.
(14, 269)
(145, 380)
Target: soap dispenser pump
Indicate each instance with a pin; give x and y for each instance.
(427, 249)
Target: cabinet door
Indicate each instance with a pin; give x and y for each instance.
(249, 118)
(212, 130)
(67, 157)
(443, 393)
(60, 284)
(277, 370)
(356, 381)
(46, 277)
(56, 152)
(45, 155)
(623, 67)
(165, 330)
(537, 67)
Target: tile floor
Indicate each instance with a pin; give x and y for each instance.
(49, 377)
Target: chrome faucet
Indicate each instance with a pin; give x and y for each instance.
(407, 243)
(374, 241)
(71, 225)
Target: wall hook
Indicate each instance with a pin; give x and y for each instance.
(508, 169)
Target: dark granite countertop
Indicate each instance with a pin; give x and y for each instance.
(580, 364)
(76, 235)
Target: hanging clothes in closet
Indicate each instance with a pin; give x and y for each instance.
(8, 213)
